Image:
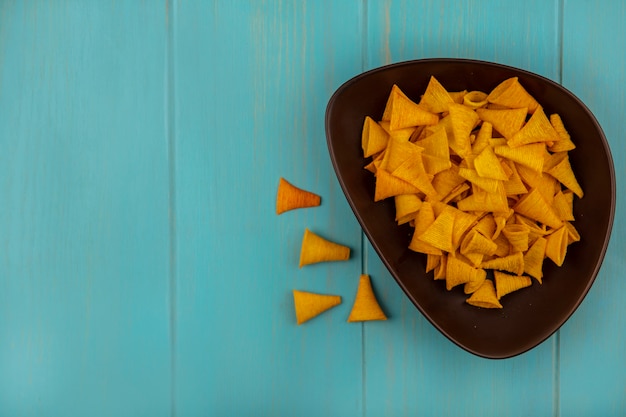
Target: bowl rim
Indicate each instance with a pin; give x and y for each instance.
(611, 215)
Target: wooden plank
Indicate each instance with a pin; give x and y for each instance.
(252, 83)
(410, 367)
(83, 163)
(520, 34)
(593, 366)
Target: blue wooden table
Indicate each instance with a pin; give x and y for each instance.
(143, 270)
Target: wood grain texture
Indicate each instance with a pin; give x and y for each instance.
(252, 83)
(593, 341)
(411, 368)
(144, 271)
(84, 326)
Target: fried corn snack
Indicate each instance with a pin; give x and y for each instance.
(485, 296)
(374, 138)
(482, 178)
(537, 130)
(556, 245)
(316, 249)
(564, 143)
(513, 263)
(309, 305)
(436, 98)
(506, 283)
(365, 307)
(475, 99)
(510, 93)
(290, 197)
(407, 206)
(507, 122)
(558, 166)
(405, 113)
(533, 259)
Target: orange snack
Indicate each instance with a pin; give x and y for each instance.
(366, 307)
(485, 296)
(290, 197)
(506, 283)
(317, 249)
(309, 305)
(483, 178)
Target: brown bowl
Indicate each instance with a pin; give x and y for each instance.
(529, 316)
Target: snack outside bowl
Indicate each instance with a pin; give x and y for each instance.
(531, 315)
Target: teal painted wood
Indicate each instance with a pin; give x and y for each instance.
(593, 342)
(491, 30)
(252, 83)
(410, 367)
(84, 326)
(117, 298)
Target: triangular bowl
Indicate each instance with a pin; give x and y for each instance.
(532, 315)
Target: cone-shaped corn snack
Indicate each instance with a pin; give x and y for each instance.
(565, 143)
(489, 185)
(507, 283)
(504, 247)
(376, 162)
(527, 155)
(537, 129)
(373, 138)
(475, 281)
(460, 272)
(436, 98)
(458, 193)
(534, 206)
(432, 262)
(572, 233)
(556, 248)
(559, 167)
(398, 134)
(290, 197)
(406, 113)
(436, 153)
(514, 185)
(511, 93)
(413, 171)
(563, 204)
(397, 152)
(317, 249)
(407, 206)
(457, 96)
(439, 232)
(508, 122)
(485, 296)
(446, 181)
(440, 270)
(475, 99)
(424, 218)
(483, 138)
(511, 263)
(309, 305)
(395, 91)
(533, 259)
(388, 185)
(475, 242)
(486, 225)
(517, 235)
(482, 201)
(487, 165)
(474, 259)
(366, 307)
(463, 120)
